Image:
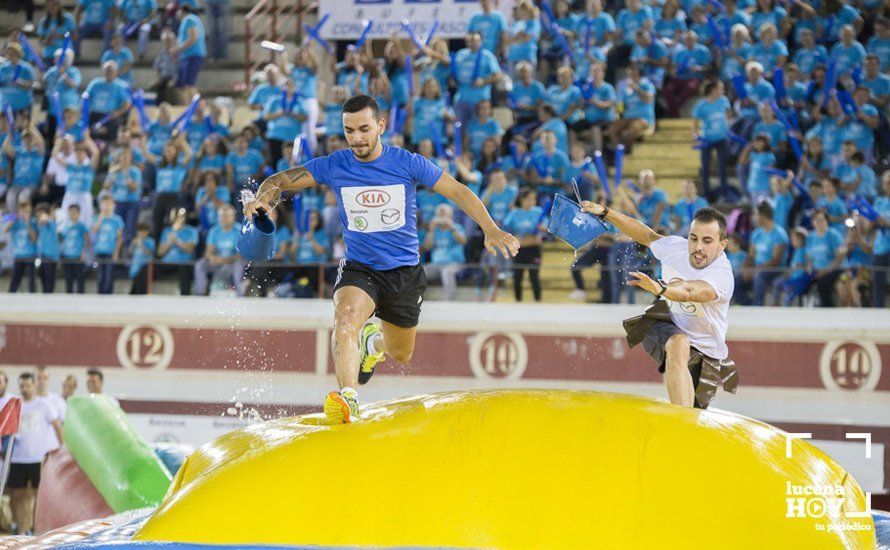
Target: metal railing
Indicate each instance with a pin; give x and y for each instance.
(278, 21)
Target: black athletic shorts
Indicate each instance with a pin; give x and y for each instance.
(397, 293)
(21, 474)
(655, 341)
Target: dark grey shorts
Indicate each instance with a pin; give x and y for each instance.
(656, 339)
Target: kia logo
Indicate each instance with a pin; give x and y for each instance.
(373, 198)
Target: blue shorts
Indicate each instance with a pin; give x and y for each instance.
(189, 68)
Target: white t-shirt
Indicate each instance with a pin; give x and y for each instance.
(704, 324)
(61, 407)
(35, 435)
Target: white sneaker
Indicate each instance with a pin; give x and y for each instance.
(578, 295)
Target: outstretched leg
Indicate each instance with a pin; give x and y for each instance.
(676, 375)
(397, 342)
(352, 307)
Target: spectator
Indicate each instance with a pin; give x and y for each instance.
(550, 123)
(757, 157)
(64, 81)
(783, 286)
(107, 237)
(770, 52)
(652, 203)
(833, 205)
(305, 71)
(138, 15)
(548, 167)
(526, 96)
(859, 245)
(23, 233)
(526, 221)
(711, 129)
(26, 158)
(445, 241)
(491, 25)
(141, 252)
(430, 112)
(690, 62)
(565, 97)
(177, 249)
(860, 126)
(877, 84)
(848, 53)
(879, 44)
(122, 56)
(757, 89)
(47, 247)
(473, 85)
(684, 210)
(633, 17)
(599, 100)
(481, 128)
(39, 422)
(93, 18)
(651, 56)
(881, 248)
(523, 36)
(767, 11)
(80, 171)
(637, 94)
(243, 165)
(311, 245)
(191, 51)
(737, 257)
(671, 26)
(109, 101)
(809, 54)
(220, 259)
(283, 122)
(96, 384)
(69, 386)
(167, 66)
(52, 28)
(782, 199)
(75, 238)
(124, 182)
(825, 254)
(16, 80)
(766, 254)
(172, 168)
(218, 15)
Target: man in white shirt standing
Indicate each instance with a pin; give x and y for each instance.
(685, 329)
(54, 399)
(39, 423)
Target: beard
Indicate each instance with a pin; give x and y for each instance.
(372, 146)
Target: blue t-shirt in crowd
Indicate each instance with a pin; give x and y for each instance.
(119, 188)
(603, 92)
(48, 241)
(169, 179)
(427, 112)
(96, 12)
(523, 222)
(263, 93)
(244, 166)
(137, 10)
(427, 201)
(835, 208)
(224, 241)
(23, 244)
(821, 250)
(499, 204)
(49, 25)
(526, 98)
(764, 243)
(207, 213)
(446, 248)
(564, 99)
(121, 57)
(774, 131)
(526, 50)
(465, 65)
(550, 165)
(478, 132)
(158, 135)
(635, 107)
(105, 96)
(377, 202)
(758, 178)
(18, 98)
(768, 56)
(27, 167)
(628, 22)
(306, 81)
(656, 51)
(68, 95)
(199, 48)
(142, 255)
(333, 119)
(881, 48)
(685, 59)
(80, 177)
(74, 239)
(859, 132)
(882, 241)
(186, 234)
(599, 27)
(848, 57)
(306, 253)
(808, 59)
(105, 239)
(782, 204)
(490, 26)
(760, 91)
(284, 128)
(712, 114)
(647, 205)
(685, 210)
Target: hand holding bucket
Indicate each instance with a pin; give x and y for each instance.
(257, 240)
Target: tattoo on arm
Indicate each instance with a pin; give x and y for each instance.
(294, 174)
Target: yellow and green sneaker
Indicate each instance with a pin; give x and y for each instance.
(367, 360)
(341, 407)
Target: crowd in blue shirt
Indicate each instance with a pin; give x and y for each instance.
(795, 96)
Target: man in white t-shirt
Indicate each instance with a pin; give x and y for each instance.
(54, 399)
(684, 331)
(38, 425)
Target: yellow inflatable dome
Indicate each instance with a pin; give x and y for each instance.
(515, 469)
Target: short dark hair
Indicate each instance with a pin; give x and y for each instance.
(765, 210)
(858, 157)
(361, 102)
(26, 376)
(708, 215)
(96, 372)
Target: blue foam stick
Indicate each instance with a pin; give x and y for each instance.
(619, 164)
(795, 147)
(10, 120)
(437, 141)
(139, 102)
(298, 209)
(401, 117)
(794, 120)
(718, 34)
(545, 211)
(737, 138)
(561, 40)
(780, 115)
(432, 33)
(514, 154)
(131, 28)
(632, 186)
(283, 100)
(738, 84)
(57, 108)
(315, 33)
(830, 79)
(856, 74)
(588, 34)
(801, 189)
(409, 74)
(866, 210)
(542, 171)
(85, 109)
(186, 117)
(65, 46)
(103, 121)
(779, 84)
(477, 65)
(31, 53)
(545, 5)
(775, 172)
(601, 172)
(16, 73)
(453, 69)
(458, 139)
(406, 25)
(368, 25)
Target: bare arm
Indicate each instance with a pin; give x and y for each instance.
(676, 291)
(635, 229)
(292, 179)
(57, 427)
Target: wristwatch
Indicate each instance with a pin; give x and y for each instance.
(664, 287)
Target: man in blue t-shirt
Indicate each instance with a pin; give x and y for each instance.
(220, 259)
(491, 25)
(192, 49)
(22, 230)
(474, 69)
(375, 187)
(108, 237)
(766, 252)
(109, 101)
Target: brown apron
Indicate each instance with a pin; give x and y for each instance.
(711, 372)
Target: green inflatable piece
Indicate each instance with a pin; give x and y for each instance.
(122, 467)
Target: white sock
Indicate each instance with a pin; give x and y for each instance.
(372, 344)
(349, 392)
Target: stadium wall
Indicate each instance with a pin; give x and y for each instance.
(189, 369)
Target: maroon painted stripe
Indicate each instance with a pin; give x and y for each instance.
(193, 408)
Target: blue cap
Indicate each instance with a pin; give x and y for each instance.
(257, 241)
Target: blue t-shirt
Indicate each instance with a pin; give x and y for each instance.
(882, 241)
(306, 81)
(119, 188)
(427, 201)
(225, 241)
(808, 59)
(244, 166)
(187, 234)
(628, 22)
(526, 98)
(74, 239)
(685, 59)
(158, 135)
(685, 210)
(774, 16)
(564, 99)
(499, 204)
(835, 208)
(478, 132)
(551, 165)
(822, 250)
(18, 98)
(27, 167)
(137, 10)
(306, 253)
(860, 133)
(848, 57)
(668, 28)
(635, 107)
(764, 242)
(169, 179)
(283, 236)
(105, 96)
(559, 129)
(378, 218)
(207, 213)
(96, 12)
(768, 55)
(446, 248)
(599, 27)
(799, 261)
(465, 64)
(49, 25)
(737, 260)
(881, 48)
(654, 51)
(68, 95)
(490, 26)
(774, 131)
(333, 119)
(427, 112)
(48, 241)
(23, 244)
(603, 92)
(80, 177)
(142, 255)
(528, 49)
(761, 91)
(105, 239)
(199, 48)
(121, 57)
(284, 128)
(782, 204)
(522, 222)
(647, 205)
(712, 114)
(263, 93)
(758, 178)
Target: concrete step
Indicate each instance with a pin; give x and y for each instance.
(91, 51)
(227, 79)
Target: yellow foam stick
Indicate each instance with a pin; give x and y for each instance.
(513, 469)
